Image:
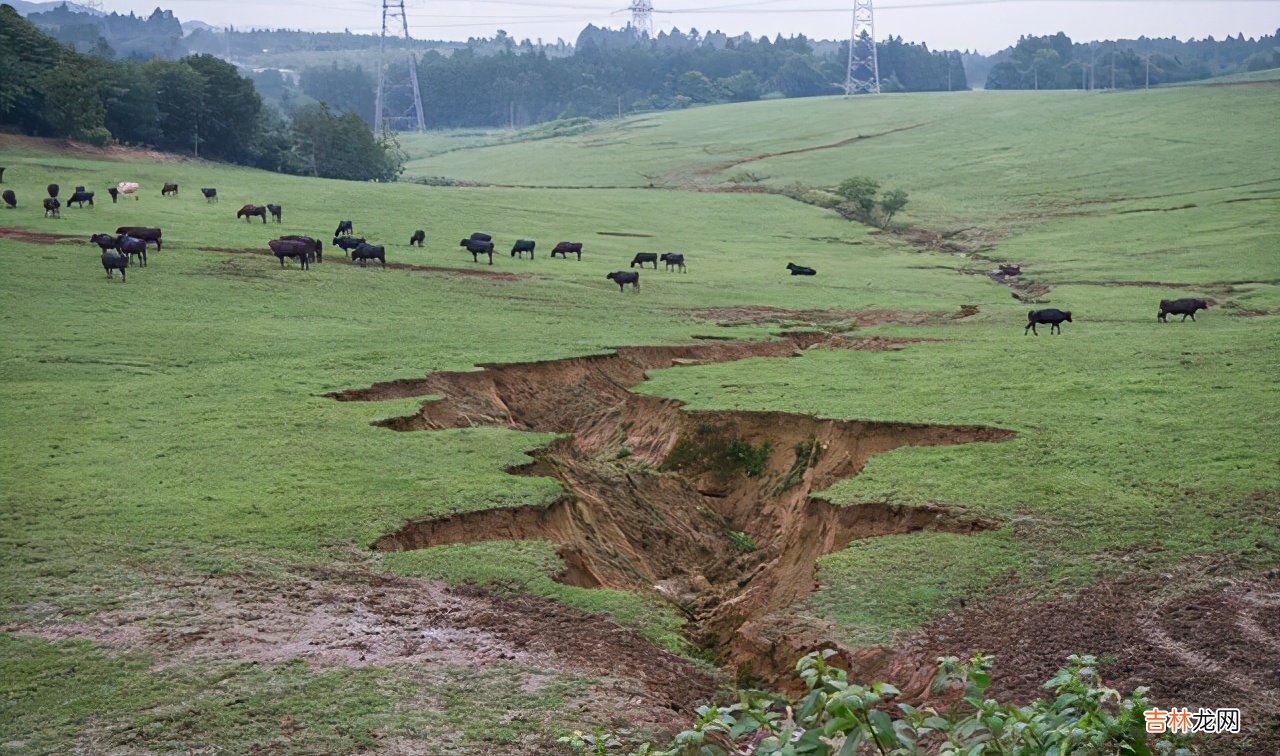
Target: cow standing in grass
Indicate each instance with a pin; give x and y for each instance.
(674, 260)
(1183, 307)
(623, 277)
(1053, 317)
(249, 212)
(418, 238)
(113, 261)
(564, 249)
(645, 257)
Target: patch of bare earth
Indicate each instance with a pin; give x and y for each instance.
(72, 147)
(356, 618)
(337, 256)
(1196, 638)
(757, 315)
(39, 237)
(658, 499)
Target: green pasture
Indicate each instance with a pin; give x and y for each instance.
(175, 425)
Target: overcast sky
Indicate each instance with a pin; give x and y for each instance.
(985, 25)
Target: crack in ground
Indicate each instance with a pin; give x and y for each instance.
(713, 510)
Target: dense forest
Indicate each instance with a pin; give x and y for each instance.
(198, 105)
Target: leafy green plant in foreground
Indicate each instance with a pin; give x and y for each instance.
(840, 718)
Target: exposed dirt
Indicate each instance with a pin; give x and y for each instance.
(712, 510)
(71, 147)
(801, 150)
(1157, 209)
(625, 233)
(755, 315)
(337, 256)
(1194, 638)
(355, 618)
(39, 237)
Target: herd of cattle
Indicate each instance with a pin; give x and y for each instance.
(130, 242)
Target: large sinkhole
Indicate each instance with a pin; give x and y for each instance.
(714, 511)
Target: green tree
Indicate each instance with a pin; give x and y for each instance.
(71, 101)
(891, 204)
(696, 86)
(743, 86)
(228, 120)
(860, 191)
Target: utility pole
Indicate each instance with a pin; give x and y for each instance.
(863, 73)
(642, 17)
(411, 117)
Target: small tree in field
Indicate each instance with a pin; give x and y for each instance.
(891, 204)
(861, 191)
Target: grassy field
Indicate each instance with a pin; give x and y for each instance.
(175, 426)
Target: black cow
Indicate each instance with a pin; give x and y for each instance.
(1053, 317)
(623, 277)
(275, 212)
(1183, 307)
(564, 249)
(131, 247)
(52, 207)
(104, 241)
(81, 197)
(674, 260)
(347, 243)
(249, 212)
(146, 234)
(1010, 270)
(299, 250)
(10, 199)
(800, 270)
(344, 227)
(52, 189)
(480, 236)
(521, 246)
(478, 247)
(113, 261)
(210, 194)
(645, 257)
(169, 189)
(418, 238)
(369, 252)
(115, 194)
(317, 247)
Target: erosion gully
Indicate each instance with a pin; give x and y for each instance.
(713, 510)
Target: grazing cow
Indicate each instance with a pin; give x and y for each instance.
(564, 249)
(478, 247)
(1010, 270)
(210, 194)
(299, 250)
(800, 270)
(52, 189)
(344, 227)
(1183, 307)
(645, 257)
(52, 207)
(10, 199)
(169, 189)
(480, 236)
(521, 246)
(369, 252)
(674, 260)
(113, 261)
(127, 188)
(317, 247)
(104, 241)
(131, 246)
(418, 238)
(139, 232)
(81, 197)
(622, 278)
(1053, 317)
(115, 194)
(249, 212)
(275, 212)
(79, 188)
(1, 175)
(347, 243)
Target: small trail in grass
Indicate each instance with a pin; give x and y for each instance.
(713, 510)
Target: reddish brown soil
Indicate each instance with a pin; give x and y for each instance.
(1195, 639)
(355, 618)
(39, 237)
(337, 257)
(754, 315)
(70, 147)
(652, 493)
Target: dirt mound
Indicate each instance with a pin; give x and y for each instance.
(712, 510)
(39, 237)
(758, 314)
(356, 618)
(1193, 638)
(71, 147)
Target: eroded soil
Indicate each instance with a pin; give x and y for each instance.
(714, 511)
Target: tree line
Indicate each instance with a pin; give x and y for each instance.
(197, 105)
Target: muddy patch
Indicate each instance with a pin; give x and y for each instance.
(337, 257)
(40, 237)
(713, 511)
(1194, 638)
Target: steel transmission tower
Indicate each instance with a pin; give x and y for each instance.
(864, 68)
(642, 17)
(410, 118)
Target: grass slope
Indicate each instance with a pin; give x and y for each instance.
(174, 425)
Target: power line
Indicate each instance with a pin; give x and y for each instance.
(391, 10)
(863, 74)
